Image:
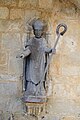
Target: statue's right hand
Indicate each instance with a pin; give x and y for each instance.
(20, 56)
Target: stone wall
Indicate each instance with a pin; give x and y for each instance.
(64, 71)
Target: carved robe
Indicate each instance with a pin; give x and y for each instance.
(35, 65)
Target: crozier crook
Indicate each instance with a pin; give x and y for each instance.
(58, 36)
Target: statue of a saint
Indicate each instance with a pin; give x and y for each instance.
(35, 61)
(35, 52)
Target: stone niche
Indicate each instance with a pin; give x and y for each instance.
(63, 82)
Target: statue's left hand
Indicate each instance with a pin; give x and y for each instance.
(53, 51)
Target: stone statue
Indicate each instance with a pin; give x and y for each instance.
(35, 52)
(35, 66)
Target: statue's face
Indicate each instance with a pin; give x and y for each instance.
(38, 33)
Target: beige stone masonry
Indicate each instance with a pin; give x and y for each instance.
(46, 4)
(4, 12)
(63, 80)
(9, 3)
(16, 14)
(28, 3)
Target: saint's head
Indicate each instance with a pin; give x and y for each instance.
(38, 27)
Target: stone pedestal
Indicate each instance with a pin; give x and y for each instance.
(35, 105)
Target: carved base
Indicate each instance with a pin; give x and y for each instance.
(35, 105)
(35, 108)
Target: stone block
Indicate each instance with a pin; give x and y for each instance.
(69, 118)
(4, 12)
(23, 3)
(11, 41)
(76, 89)
(12, 3)
(70, 41)
(27, 3)
(0, 40)
(8, 78)
(61, 90)
(50, 117)
(46, 4)
(16, 14)
(4, 69)
(10, 104)
(63, 107)
(67, 80)
(55, 65)
(66, 87)
(3, 58)
(68, 10)
(70, 70)
(3, 61)
(70, 64)
(10, 25)
(24, 117)
(31, 14)
(72, 59)
(8, 89)
(34, 3)
(15, 65)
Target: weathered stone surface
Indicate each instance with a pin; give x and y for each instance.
(69, 42)
(8, 2)
(8, 78)
(9, 88)
(71, 70)
(16, 14)
(29, 16)
(34, 3)
(13, 26)
(11, 104)
(46, 4)
(24, 39)
(0, 40)
(55, 65)
(69, 118)
(1, 115)
(64, 76)
(11, 41)
(24, 117)
(23, 3)
(4, 12)
(15, 65)
(67, 67)
(59, 104)
(67, 80)
(76, 2)
(4, 69)
(27, 3)
(3, 61)
(3, 58)
(64, 91)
